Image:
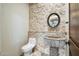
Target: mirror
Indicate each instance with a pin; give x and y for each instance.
(53, 20)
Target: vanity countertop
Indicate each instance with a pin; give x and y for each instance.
(55, 38)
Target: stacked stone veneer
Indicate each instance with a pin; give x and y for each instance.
(39, 13)
(39, 28)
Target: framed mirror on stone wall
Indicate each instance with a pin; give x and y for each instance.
(53, 20)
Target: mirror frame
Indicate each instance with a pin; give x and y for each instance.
(49, 19)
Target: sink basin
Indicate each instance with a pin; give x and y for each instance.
(55, 38)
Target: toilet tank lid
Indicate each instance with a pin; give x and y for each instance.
(32, 40)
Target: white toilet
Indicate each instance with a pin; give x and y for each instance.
(27, 49)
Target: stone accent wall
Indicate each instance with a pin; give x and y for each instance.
(39, 28)
(39, 13)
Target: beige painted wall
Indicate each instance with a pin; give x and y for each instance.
(0, 27)
(14, 28)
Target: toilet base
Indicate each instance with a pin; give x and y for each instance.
(28, 53)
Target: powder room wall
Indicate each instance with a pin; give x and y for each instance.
(40, 12)
(14, 30)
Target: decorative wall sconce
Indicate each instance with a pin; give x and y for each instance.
(53, 20)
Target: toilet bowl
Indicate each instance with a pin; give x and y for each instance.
(27, 49)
